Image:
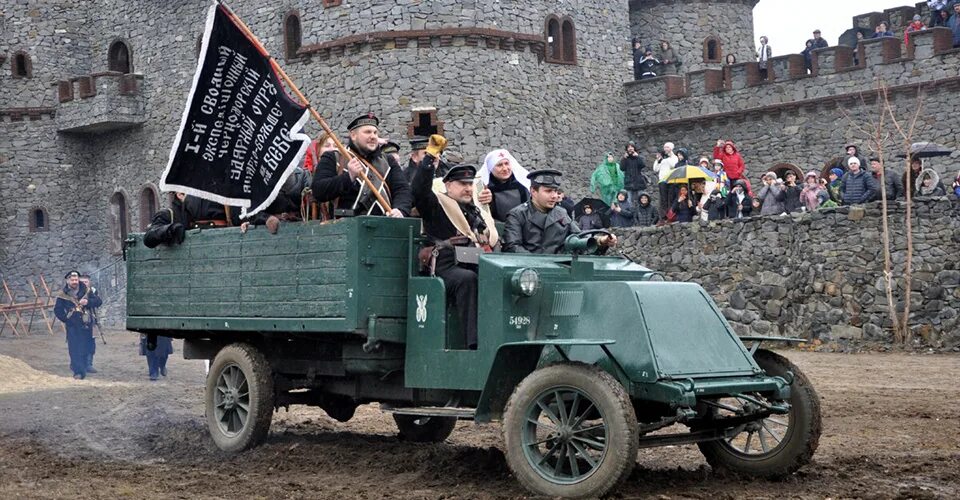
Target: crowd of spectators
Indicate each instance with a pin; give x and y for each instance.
(722, 189)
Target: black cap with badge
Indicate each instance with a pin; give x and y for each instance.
(545, 177)
(390, 147)
(364, 120)
(461, 173)
(419, 143)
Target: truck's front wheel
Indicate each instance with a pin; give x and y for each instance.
(570, 431)
(239, 398)
(780, 444)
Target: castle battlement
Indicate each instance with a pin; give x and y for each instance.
(100, 102)
(837, 72)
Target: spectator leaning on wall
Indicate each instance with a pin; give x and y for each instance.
(858, 186)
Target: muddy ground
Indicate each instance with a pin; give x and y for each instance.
(891, 430)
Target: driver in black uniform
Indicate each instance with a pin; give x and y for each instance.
(540, 225)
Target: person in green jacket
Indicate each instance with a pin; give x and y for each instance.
(607, 179)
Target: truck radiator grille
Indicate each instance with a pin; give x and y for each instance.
(567, 303)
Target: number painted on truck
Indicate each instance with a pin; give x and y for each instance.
(519, 321)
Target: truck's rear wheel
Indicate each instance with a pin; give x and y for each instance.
(420, 429)
(239, 398)
(570, 431)
(780, 444)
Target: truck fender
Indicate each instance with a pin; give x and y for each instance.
(512, 363)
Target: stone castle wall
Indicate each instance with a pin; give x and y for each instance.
(489, 92)
(805, 120)
(819, 274)
(686, 24)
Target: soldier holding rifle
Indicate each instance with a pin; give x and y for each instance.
(71, 308)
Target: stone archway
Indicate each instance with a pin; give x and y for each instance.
(781, 170)
(837, 161)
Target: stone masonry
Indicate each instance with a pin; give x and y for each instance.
(817, 275)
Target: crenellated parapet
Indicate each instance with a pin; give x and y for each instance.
(838, 73)
(100, 102)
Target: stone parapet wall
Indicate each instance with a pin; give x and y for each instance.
(701, 96)
(816, 275)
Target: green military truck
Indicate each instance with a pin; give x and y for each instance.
(582, 359)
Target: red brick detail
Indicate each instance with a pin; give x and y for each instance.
(843, 57)
(129, 85)
(331, 3)
(424, 39)
(676, 86)
(890, 49)
(24, 58)
(65, 90)
(753, 74)
(18, 114)
(942, 40)
(713, 80)
(415, 122)
(796, 66)
(446, 40)
(87, 86)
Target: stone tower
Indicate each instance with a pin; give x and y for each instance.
(701, 32)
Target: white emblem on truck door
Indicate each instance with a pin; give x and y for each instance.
(421, 308)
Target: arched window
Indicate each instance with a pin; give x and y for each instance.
(119, 222)
(292, 37)
(568, 34)
(554, 41)
(21, 65)
(118, 57)
(39, 220)
(712, 50)
(561, 38)
(149, 203)
(781, 170)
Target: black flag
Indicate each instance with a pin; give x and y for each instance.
(240, 135)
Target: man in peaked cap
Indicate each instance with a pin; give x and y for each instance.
(418, 149)
(72, 309)
(339, 180)
(457, 229)
(539, 225)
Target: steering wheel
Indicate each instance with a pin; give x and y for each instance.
(592, 232)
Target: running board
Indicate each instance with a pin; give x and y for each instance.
(433, 411)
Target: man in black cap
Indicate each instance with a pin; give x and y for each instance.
(458, 231)
(418, 149)
(539, 225)
(72, 308)
(341, 181)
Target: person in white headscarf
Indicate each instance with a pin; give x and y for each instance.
(506, 183)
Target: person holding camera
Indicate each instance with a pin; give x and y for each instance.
(668, 59)
(771, 196)
(634, 178)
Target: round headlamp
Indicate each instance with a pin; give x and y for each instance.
(655, 277)
(525, 282)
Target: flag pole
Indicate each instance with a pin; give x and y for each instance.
(313, 112)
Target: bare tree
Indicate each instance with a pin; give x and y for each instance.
(878, 138)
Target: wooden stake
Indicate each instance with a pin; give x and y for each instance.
(316, 116)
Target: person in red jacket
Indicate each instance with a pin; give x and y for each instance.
(726, 151)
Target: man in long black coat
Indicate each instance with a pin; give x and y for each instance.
(451, 219)
(71, 308)
(333, 181)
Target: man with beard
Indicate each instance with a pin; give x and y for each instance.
(72, 308)
(341, 181)
(458, 231)
(539, 225)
